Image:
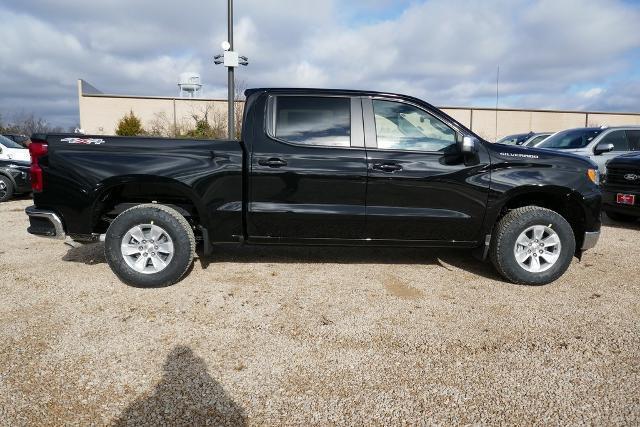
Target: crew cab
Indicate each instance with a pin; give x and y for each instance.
(317, 167)
(621, 188)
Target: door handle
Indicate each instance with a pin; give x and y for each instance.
(387, 167)
(272, 163)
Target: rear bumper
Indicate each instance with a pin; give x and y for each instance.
(45, 223)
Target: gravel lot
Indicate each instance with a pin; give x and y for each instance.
(316, 336)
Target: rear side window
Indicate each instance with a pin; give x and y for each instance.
(634, 139)
(307, 120)
(619, 140)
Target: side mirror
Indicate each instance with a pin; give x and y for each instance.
(469, 145)
(603, 148)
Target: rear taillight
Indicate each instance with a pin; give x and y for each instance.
(37, 150)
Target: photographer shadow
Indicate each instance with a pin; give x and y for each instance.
(185, 396)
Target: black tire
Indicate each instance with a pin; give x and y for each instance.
(175, 225)
(506, 233)
(6, 189)
(621, 217)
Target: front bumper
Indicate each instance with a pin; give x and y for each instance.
(609, 203)
(45, 223)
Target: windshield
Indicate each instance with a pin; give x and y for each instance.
(570, 139)
(535, 140)
(511, 140)
(9, 143)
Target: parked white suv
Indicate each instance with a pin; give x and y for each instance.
(599, 144)
(10, 150)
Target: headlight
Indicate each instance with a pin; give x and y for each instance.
(594, 176)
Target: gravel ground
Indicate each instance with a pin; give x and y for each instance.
(316, 336)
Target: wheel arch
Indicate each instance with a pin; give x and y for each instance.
(118, 194)
(563, 200)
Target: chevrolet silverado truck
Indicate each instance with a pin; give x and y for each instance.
(621, 188)
(317, 167)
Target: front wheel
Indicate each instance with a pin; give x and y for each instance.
(6, 189)
(532, 246)
(150, 245)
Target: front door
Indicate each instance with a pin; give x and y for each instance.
(420, 187)
(308, 170)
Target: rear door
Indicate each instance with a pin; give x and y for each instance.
(308, 169)
(420, 188)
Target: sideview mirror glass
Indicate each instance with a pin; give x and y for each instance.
(603, 148)
(468, 145)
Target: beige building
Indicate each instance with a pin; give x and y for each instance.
(100, 113)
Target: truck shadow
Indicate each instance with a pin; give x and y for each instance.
(186, 395)
(608, 222)
(93, 254)
(446, 258)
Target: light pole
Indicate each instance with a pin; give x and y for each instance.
(231, 60)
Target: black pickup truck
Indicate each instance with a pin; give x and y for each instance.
(317, 167)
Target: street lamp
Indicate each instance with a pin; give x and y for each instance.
(231, 60)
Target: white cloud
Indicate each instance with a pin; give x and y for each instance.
(444, 51)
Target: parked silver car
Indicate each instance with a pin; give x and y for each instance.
(599, 144)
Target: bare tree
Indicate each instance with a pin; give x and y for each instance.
(29, 123)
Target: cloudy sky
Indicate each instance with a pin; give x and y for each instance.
(573, 54)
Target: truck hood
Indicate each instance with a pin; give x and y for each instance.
(629, 159)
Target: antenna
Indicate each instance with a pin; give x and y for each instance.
(497, 98)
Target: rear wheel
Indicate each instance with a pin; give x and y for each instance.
(6, 188)
(532, 246)
(150, 245)
(621, 217)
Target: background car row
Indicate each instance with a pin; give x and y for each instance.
(616, 151)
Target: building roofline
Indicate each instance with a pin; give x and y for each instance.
(177, 98)
(89, 91)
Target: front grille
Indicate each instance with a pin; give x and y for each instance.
(616, 175)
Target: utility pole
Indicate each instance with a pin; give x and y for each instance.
(231, 60)
(231, 101)
(497, 98)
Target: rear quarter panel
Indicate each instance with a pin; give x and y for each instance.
(209, 173)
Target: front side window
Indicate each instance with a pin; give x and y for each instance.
(313, 120)
(619, 140)
(401, 126)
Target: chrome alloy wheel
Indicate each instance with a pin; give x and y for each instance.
(537, 248)
(147, 248)
(3, 189)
